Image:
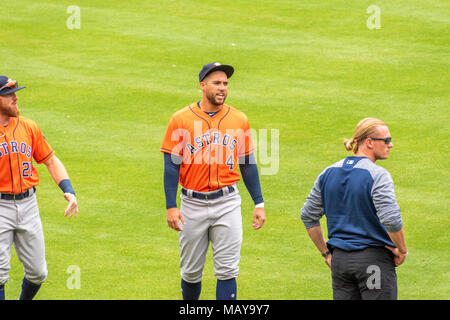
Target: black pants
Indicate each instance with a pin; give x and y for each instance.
(367, 274)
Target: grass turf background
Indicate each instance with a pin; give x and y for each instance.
(103, 96)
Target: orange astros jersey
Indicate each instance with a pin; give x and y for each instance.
(209, 146)
(21, 142)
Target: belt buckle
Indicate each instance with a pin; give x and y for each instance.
(14, 196)
(206, 197)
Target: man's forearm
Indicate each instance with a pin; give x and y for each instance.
(315, 233)
(56, 169)
(171, 177)
(59, 174)
(249, 171)
(398, 238)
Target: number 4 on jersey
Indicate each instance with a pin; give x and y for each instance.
(230, 162)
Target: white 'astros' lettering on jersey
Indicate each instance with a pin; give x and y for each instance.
(215, 138)
(15, 147)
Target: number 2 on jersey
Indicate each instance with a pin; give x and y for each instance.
(27, 169)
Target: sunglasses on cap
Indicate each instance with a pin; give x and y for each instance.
(386, 140)
(11, 84)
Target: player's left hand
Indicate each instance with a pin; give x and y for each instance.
(72, 207)
(399, 257)
(259, 216)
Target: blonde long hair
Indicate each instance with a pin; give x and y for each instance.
(365, 128)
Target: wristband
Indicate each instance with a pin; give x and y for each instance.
(66, 186)
(260, 205)
(325, 254)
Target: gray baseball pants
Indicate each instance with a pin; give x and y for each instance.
(218, 221)
(20, 224)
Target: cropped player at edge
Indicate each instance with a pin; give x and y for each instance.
(203, 146)
(365, 228)
(21, 141)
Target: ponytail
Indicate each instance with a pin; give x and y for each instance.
(363, 130)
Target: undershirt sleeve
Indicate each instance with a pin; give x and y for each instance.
(249, 171)
(171, 178)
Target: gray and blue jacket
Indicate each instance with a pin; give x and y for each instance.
(358, 200)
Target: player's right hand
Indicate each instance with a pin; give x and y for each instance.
(174, 217)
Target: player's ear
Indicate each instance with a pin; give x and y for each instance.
(369, 143)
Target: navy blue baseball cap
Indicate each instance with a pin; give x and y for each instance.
(8, 86)
(215, 66)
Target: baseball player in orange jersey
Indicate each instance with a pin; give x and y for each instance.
(21, 141)
(203, 147)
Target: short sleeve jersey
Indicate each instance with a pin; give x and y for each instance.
(21, 141)
(208, 146)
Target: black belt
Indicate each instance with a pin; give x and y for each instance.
(17, 196)
(207, 196)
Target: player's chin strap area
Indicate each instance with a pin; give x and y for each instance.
(209, 195)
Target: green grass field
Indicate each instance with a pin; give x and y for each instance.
(103, 95)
